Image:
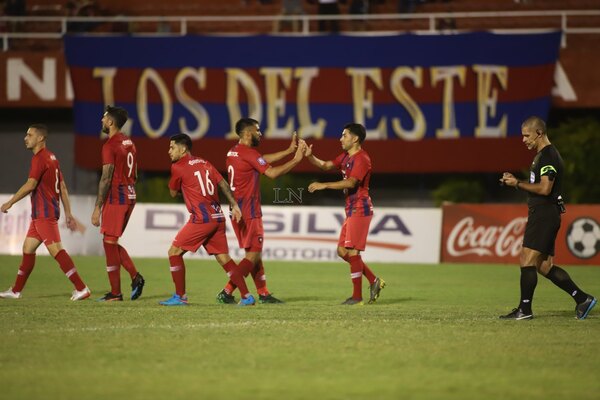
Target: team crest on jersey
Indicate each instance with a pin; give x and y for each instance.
(261, 161)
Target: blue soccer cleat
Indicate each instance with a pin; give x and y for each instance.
(583, 309)
(248, 301)
(175, 300)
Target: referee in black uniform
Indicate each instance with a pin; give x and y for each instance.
(545, 206)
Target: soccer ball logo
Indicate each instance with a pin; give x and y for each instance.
(583, 238)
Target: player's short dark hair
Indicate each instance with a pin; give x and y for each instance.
(117, 114)
(244, 123)
(182, 138)
(357, 130)
(535, 123)
(41, 128)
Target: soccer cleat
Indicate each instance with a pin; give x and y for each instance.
(9, 294)
(583, 309)
(111, 297)
(248, 301)
(269, 299)
(137, 285)
(81, 294)
(175, 300)
(351, 301)
(517, 314)
(225, 298)
(375, 289)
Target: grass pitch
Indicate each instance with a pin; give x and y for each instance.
(433, 334)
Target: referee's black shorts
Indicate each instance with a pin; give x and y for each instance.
(543, 223)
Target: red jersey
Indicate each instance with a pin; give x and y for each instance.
(120, 151)
(358, 166)
(197, 179)
(244, 167)
(45, 198)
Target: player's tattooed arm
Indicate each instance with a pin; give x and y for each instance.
(226, 190)
(235, 209)
(104, 185)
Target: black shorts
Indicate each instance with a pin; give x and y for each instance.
(543, 223)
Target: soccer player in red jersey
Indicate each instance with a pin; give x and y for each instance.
(197, 180)
(244, 167)
(116, 200)
(355, 165)
(47, 188)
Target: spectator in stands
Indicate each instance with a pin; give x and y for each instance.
(329, 7)
(81, 8)
(15, 8)
(406, 6)
(2, 14)
(359, 7)
(289, 8)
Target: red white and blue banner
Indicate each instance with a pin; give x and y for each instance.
(430, 103)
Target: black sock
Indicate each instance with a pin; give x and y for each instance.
(528, 284)
(561, 278)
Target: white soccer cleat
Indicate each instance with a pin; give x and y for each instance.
(81, 294)
(9, 294)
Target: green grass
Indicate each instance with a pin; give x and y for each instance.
(434, 334)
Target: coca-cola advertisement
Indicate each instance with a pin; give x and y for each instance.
(493, 233)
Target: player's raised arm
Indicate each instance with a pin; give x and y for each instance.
(275, 172)
(324, 165)
(274, 157)
(23, 191)
(349, 183)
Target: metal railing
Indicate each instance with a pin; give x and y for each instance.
(60, 26)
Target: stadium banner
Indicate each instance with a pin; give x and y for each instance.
(86, 240)
(493, 233)
(34, 79)
(421, 97)
(301, 233)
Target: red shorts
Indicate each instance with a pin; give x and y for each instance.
(45, 230)
(354, 233)
(211, 235)
(115, 218)
(249, 234)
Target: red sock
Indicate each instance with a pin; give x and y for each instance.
(24, 270)
(367, 272)
(178, 274)
(356, 275)
(244, 268)
(260, 280)
(113, 265)
(236, 276)
(67, 266)
(126, 262)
